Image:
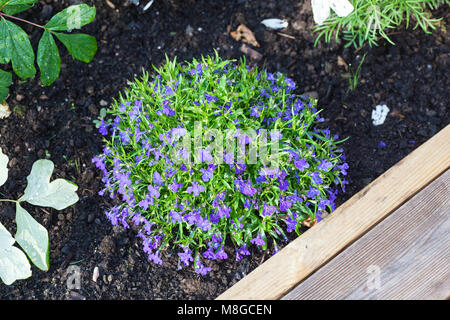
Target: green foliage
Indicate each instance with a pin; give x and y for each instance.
(372, 20)
(194, 195)
(15, 46)
(31, 236)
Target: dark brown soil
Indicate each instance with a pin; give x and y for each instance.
(411, 78)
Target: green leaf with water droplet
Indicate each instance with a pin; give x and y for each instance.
(71, 18)
(58, 194)
(14, 264)
(17, 47)
(32, 238)
(48, 59)
(81, 46)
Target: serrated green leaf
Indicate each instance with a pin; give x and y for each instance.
(81, 46)
(71, 18)
(19, 49)
(3, 167)
(14, 264)
(48, 59)
(32, 238)
(15, 9)
(59, 194)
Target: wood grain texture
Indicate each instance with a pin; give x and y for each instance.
(406, 256)
(283, 271)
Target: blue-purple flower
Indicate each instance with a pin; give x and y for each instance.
(195, 189)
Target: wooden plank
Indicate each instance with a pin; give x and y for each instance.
(406, 256)
(350, 221)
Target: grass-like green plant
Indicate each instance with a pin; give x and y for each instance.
(353, 80)
(372, 20)
(210, 152)
(31, 236)
(15, 46)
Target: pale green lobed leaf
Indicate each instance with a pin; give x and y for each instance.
(33, 238)
(14, 264)
(59, 194)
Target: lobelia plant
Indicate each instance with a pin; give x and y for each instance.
(15, 46)
(371, 20)
(31, 236)
(193, 203)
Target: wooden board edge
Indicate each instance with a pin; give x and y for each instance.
(355, 217)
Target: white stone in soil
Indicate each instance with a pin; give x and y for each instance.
(96, 274)
(379, 114)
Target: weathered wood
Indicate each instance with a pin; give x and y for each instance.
(350, 221)
(406, 256)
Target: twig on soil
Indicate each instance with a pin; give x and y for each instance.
(286, 35)
(262, 259)
(46, 211)
(66, 261)
(148, 5)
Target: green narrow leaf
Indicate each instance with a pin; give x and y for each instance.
(5, 49)
(48, 59)
(3, 167)
(59, 194)
(81, 46)
(20, 50)
(15, 9)
(32, 238)
(71, 18)
(14, 264)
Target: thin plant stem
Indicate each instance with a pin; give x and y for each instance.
(22, 20)
(8, 200)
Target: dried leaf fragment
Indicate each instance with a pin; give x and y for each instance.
(245, 34)
(341, 63)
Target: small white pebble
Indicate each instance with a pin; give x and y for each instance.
(96, 274)
(275, 23)
(200, 29)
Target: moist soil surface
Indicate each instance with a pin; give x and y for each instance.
(411, 78)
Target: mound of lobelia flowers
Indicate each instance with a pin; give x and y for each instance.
(212, 152)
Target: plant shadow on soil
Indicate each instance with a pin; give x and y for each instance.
(411, 78)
